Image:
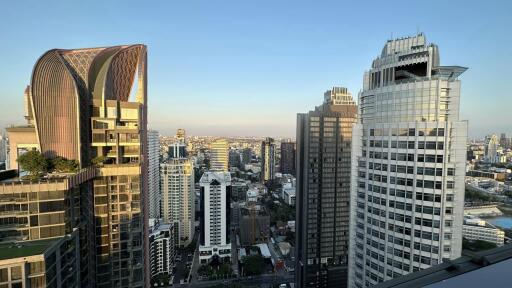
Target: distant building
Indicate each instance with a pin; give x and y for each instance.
(154, 173)
(162, 248)
(489, 234)
(178, 198)
(219, 155)
(234, 159)
(287, 161)
(3, 149)
(246, 156)
(324, 145)
(239, 190)
(504, 141)
(268, 161)
(215, 216)
(181, 136)
(491, 149)
(254, 225)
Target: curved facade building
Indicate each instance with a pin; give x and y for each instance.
(82, 111)
(409, 148)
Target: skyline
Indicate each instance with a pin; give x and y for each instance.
(281, 58)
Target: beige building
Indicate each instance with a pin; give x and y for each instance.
(219, 157)
(178, 197)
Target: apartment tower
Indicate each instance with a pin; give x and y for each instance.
(154, 174)
(215, 217)
(409, 150)
(287, 160)
(219, 157)
(324, 146)
(178, 197)
(268, 159)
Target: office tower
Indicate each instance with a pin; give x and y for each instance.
(219, 155)
(178, 197)
(408, 164)
(234, 159)
(180, 136)
(154, 173)
(215, 216)
(79, 109)
(491, 149)
(268, 159)
(246, 156)
(287, 161)
(324, 145)
(162, 248)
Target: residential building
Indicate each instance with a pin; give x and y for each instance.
(491, 149)
(219, 155)
(53, 262)
(324, 145)
(408, 164)
(154, 173)
(177, 151)
(162, 248)
(215, 217)
(268, 159)
(178, 198)
(254, 225)
(287, 161)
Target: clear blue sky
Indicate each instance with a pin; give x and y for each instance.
(247, 67)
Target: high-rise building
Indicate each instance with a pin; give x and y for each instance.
(287, 161)
(268, 159)
(504, 141)
(181, 136)
(491, 149)
(324, 141)
(234, 159)
(3, 149)
(178, 197)
(177, 150)
(215, 216)
(154, 173)
(80, 109)
(162, 248)
(408, 164)
(219, 155)
(246, 156)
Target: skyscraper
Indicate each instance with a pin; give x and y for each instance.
(408, 164)
(491, 149)
(324, 140)
(287, 161)
(246, 156)
(154, 173)
(178, 197)
(219, 155)
(234, 159)
(181, 136)
(79, 109)
(215, 216)
(268, 159)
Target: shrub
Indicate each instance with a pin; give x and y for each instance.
(33, 162)
(63, 165)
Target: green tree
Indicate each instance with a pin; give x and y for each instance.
(61, 164)
(253, 265)
(34, 163)
(98, 161)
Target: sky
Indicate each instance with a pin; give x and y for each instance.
(246, 68)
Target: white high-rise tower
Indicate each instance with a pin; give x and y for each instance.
(154, 173)
(408, 162)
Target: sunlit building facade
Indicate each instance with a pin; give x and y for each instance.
(408, 164)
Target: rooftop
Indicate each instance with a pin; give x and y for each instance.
(488, 268)
(25, 249)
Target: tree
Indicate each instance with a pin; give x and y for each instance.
(98, 161)
(33, 162)
(253, 265)
(63, 165)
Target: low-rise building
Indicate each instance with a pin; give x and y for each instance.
(489, 234)
(289, 196)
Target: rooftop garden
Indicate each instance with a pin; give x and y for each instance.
(37, 165)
